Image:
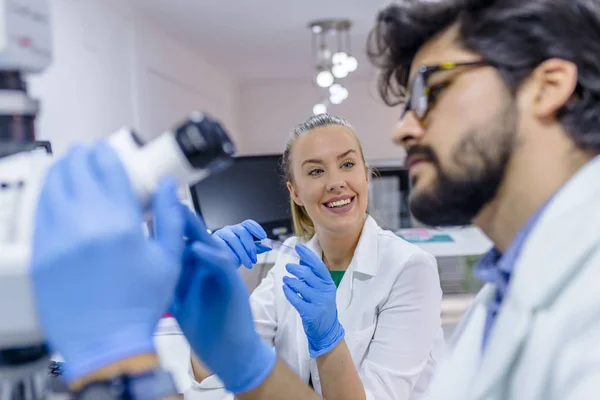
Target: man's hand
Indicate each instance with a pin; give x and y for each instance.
(211, 306)
(100, 285)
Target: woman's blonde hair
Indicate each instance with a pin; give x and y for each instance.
(304, 227)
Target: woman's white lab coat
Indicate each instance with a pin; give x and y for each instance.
(545, 344)
(389, 305)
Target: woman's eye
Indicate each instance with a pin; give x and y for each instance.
(315, 171)
(348, 164)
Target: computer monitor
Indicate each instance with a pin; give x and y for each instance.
(252, 188)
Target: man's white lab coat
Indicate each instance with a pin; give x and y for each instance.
(545, 344)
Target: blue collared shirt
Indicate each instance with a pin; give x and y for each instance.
(496, 268)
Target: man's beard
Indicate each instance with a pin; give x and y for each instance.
(481, 157)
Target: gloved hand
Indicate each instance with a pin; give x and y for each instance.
(317, 306)
(240, 240)
(212, 308)
(100, 285)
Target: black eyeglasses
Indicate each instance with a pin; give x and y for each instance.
(423, 96)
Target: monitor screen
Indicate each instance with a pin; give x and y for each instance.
(252, 188)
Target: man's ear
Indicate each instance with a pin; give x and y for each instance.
(293, 193)
(554, 82)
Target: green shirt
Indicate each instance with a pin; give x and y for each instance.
(337, 277)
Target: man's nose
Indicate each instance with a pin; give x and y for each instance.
(408, 130)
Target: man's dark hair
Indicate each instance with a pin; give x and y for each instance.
(513, 35)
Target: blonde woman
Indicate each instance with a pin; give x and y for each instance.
(356, 312)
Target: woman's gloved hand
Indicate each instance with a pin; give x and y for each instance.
(100, 285)
(212, 308)
(240, 238)
(312, 293)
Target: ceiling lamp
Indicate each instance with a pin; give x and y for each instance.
(320, 108)
(324, 79)
(333, 60)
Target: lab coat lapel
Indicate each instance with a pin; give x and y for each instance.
(313, 244)
(506, 340)
(344, 292)
(364, 261)
(454, 379)
(540, 274)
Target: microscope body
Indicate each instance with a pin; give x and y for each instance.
(192, 151)
(25, 48)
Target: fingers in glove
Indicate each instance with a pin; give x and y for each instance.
(296, 301)
(308, 294)
(211, 258)
(247, 241)
(186, 277)
(203, 256)
(111, 173)
(304, 274)
(234, 243)
(311, 260)
(255, 229)
(195, 228)
(223, 244)
(169, 220)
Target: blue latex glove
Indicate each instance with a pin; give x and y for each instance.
(317, 306)
(100, 285)
(240, 240)
(212, 308)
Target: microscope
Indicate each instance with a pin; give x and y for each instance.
(192, 151)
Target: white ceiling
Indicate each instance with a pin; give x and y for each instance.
(260, 39)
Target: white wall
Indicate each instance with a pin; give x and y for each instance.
(114, 67)
(171, 80)
(269, 110)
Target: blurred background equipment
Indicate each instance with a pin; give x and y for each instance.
(389, 189)
(457, 249)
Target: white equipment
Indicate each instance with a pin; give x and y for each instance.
(194, 150)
